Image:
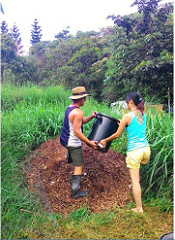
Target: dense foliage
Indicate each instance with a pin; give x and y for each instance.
(142, 53)
(134, 55)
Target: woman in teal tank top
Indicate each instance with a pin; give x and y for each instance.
(138, 149)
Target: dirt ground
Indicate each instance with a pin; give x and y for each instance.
(104, 174)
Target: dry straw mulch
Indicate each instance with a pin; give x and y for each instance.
(105, 175)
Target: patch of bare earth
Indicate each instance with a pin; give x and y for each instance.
(105, 175)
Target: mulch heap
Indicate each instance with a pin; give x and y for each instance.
(104, 174)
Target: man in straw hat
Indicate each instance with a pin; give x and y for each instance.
(72, 137)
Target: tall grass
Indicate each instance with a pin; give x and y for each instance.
(158, 173)
(34, 116)
(30, 116)
(12, 95)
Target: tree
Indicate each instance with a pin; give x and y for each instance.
(1, 8)
(4, 27)
(121, 22)
(13, 66)
(142, 60)
(17, 39)
(64, 34)
(37, 61)
(148, 8)
(8, 49)
(36, 33)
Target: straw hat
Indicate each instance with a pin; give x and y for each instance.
(79, 92)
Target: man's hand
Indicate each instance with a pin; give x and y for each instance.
(93, 144)
(90, 117)
(93, 114)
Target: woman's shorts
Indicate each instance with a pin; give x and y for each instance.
(136, 157)
(75, 155)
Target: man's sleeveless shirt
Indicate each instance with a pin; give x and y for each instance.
(67, 137)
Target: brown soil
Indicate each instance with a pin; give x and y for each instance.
(105, 175)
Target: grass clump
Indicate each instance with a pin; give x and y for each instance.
(158, 173)
(121, 223)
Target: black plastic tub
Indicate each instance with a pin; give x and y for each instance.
(103, 127)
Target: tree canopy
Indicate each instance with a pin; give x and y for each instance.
(142, 59)
(134, 55)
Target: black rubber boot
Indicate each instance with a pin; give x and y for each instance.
(75, 187)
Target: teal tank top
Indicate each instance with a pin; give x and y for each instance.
(136, 133)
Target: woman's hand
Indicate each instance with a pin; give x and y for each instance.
(119, 121)
(103, 143)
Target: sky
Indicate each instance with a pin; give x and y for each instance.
(55, 15)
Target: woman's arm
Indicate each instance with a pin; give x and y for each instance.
(123, 123)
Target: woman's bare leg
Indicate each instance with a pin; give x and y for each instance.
(136, 188)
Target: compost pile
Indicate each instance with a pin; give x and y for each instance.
(104, 174)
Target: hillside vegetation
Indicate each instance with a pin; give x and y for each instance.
(134, 55)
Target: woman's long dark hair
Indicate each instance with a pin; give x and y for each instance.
(138, 101)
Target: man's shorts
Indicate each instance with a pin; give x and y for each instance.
(136, 157)
(75, 155)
